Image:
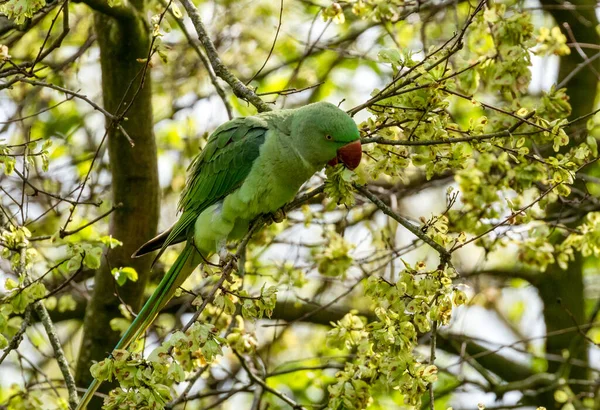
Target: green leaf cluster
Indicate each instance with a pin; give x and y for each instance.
(385, 349)
(146, 383)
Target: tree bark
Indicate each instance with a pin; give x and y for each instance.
(582, 23)
(134, 181)
(562, 291)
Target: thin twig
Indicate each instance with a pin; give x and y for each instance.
(63, 364)
(265, 386)
(444, 254)
(505, 220)
(50, 194)
(238, 87)
(272, 46)
(289, 91)
(87, 177)
(16, 339)
(432, 361)
(499, 134)
(205, 62)
(59, 354)
(63, 233)
(69, 92)
(320, 308)
(68, 98)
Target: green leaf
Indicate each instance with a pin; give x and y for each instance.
(338, 185)
(119, 324)
(19, 302)
(561, 396)
(110, 242)
(122, 275)
(66, 303)
(92, 257)
(102, 370)
(593, 144)
(10, 284)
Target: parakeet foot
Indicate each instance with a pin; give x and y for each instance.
(225, 257)
(278, 216)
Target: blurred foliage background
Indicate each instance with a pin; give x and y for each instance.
(458, 267)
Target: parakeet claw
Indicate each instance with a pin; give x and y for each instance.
(226, 258)
(278, 216)
(223, 253)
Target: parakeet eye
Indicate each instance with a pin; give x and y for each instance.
(328, 137)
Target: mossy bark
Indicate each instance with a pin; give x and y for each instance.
(562, 291)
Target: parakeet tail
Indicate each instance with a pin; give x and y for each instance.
(181, 269)
(157, 242)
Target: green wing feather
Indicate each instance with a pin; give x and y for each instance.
(220, 168)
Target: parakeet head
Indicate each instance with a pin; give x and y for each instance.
(326, 134)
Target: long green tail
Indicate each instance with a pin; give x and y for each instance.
(181, 269)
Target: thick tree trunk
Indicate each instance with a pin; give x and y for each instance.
(582, 23)
(562, 290)
(134, 182)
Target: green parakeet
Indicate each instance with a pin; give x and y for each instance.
(250, 166)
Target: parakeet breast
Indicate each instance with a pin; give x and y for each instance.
(275, 178)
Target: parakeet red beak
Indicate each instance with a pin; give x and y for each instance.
(349, 155)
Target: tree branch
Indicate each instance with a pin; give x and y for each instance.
(63, 364)
(517, 271)
(499, 134)
(290, 311)
(505, 368)
(205, 62)
(238, 87)
(444, 254)
(16, 339)
(40, 309)
(265, 386)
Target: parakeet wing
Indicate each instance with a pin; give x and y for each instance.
(218, 170)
